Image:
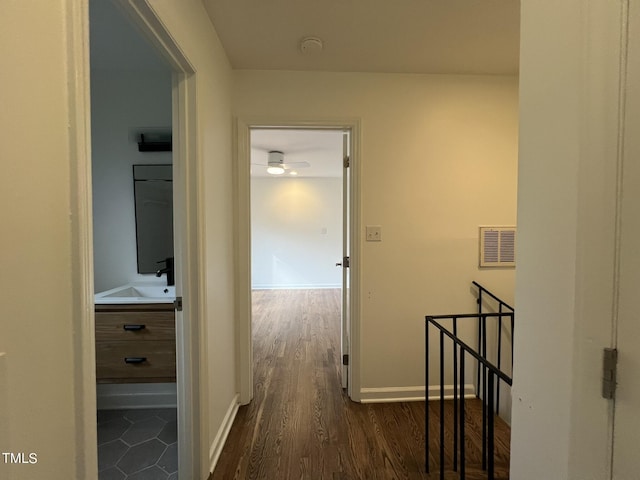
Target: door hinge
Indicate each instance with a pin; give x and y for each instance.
(346, 162)
(177, 304)
(345, 359)
(345, 262)
(609, 373)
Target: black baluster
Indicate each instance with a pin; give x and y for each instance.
(426, 396)
(441, 405)
(499, 360)
(455, 396)
(512, 340)
(462, 419)
(483, 354)
(479, 338)
(491, 438)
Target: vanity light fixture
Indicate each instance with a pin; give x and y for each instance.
(155, 141)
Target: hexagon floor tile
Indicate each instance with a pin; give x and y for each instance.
(137, 444)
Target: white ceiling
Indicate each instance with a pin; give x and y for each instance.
(388, 36)
(321, 149)
(407, 36)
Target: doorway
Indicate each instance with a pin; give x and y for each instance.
(275, 256)
(158, 414)
(297, 215)
(296, 208)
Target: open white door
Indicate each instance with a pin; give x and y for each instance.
(346, 241)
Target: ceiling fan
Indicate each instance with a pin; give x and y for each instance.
(276, 166)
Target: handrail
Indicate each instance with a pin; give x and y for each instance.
(494, 369)
(482, 289)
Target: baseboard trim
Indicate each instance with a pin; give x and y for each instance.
(296, 287)
(410, 394)
(131, 396)
(223, 432)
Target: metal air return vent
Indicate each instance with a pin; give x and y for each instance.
(497, 246)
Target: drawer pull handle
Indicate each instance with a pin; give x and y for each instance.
(134, 328)
(135, 360)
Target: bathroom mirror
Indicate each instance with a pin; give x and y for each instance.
(153, 191)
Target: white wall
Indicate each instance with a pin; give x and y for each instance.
(42, 326)
(38, 218)
(570, 53)
(296, 232)
(189, 25)
(121, 103)
(438, 159)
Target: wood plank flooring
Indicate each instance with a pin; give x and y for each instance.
(302, 425)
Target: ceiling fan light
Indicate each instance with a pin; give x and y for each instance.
(275, 170)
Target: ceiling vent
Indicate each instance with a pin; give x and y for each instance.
(497, 246)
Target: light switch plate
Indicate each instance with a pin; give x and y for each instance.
(373, 233)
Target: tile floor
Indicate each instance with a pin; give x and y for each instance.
(137, 444)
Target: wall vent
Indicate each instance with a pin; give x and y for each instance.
(497, 246)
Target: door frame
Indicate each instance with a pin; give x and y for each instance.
(242, 215)
(623, 410)
(188, 273)
(186, 242)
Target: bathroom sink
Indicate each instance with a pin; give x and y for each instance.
(136, 293)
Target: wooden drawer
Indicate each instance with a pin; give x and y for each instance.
(134, 326)
(136, 361)
(135, 343)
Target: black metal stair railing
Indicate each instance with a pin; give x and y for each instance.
(485, 296)
(489, 376)
(486, 299)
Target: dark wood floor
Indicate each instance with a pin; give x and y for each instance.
(301, 424)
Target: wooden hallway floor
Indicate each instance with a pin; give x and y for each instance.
(301, 425)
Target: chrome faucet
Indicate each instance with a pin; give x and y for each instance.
(168, 269)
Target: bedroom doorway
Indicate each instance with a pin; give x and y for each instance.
(299, 222)
(298, 217)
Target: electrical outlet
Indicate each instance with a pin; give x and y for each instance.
(374, 233)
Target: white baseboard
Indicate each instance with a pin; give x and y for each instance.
(296, 287)
(410, 394)
(223, 432)
(136, 395)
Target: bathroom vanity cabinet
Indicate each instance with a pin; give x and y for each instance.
(135, 343)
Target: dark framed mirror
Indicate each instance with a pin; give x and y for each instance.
(153, 192)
